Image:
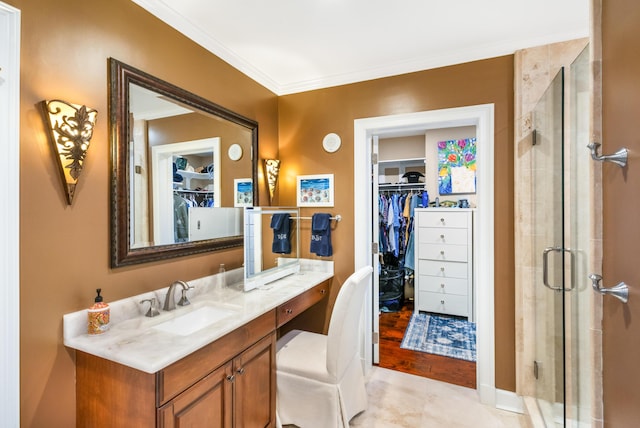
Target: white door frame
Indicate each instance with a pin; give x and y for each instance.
(10, 215)
(482, 117)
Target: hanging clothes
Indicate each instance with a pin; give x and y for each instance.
(395, 236)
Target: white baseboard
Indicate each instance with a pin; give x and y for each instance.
(510, 401)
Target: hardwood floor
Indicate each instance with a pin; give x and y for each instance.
(450, 370)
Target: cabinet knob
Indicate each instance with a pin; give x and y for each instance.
(441, 236)
(441, 285)
(289, 311)
(240, 370)
(442, 252)
(442, 220)
(231, 378)
(323, 291)
(442, 301)
(442, 268)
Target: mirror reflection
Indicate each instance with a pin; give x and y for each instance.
(177, 163)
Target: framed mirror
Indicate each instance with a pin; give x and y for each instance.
(176, 159)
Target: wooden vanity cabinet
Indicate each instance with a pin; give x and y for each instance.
(238, 394)
(228, 383)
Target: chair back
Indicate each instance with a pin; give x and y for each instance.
(343, 339)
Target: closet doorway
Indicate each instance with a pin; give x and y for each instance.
(481, 117)
(425, 316)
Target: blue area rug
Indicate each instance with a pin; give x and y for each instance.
(441, 335)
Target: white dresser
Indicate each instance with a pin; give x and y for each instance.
(444, 261)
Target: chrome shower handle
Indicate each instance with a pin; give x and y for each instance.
(619, 157)
(545, 267)
(619, 291)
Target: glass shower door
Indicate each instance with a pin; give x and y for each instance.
(561, 205)
(549, 247)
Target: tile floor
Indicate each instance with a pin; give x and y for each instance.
(401, 400)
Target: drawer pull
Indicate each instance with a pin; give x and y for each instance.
(289, 311)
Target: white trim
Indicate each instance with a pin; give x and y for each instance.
(509, 401)
(10, 215)
(481, 116)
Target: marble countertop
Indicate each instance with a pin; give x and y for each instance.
(135, 341)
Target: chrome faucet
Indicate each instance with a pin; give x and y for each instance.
(170, 299)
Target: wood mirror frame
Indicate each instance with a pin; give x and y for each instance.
(120, 77)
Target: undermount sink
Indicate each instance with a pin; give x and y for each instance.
(189, 323)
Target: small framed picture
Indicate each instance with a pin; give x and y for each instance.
(315, 190)
(242, 192)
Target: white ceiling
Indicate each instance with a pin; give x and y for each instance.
(292, 46)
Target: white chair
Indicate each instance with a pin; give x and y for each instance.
(320, 381)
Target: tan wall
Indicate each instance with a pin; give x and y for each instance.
(65, 249)
(621, 202)
(305, 118)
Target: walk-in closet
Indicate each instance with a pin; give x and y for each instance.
(426, 201)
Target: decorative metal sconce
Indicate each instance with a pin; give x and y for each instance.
(272, 167)
(69, 127)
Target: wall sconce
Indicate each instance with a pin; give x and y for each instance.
(69, 128)
(272, 167)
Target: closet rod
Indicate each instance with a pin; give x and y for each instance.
(336, 218)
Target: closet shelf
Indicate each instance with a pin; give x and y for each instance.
(199, 192)
(401, 186)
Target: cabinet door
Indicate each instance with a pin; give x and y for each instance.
(255, 385)
(208, 403)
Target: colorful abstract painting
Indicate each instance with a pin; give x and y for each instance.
(457, 166)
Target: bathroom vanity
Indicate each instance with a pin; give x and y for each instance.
(211, 363)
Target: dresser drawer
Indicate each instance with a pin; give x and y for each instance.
(443, 303)
(451, 253)
(452, 219)
(441, 285)
(443, 269)
(443, 235)
(299, 304)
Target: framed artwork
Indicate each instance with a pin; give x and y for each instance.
(315, 190)
(457, 166)
(242, 192)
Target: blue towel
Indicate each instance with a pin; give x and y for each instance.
(321, 234)
(281, 234)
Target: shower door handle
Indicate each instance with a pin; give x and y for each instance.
(545, 267)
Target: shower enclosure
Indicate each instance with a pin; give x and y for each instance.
(561, 221)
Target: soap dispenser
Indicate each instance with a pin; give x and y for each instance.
(98, 316)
